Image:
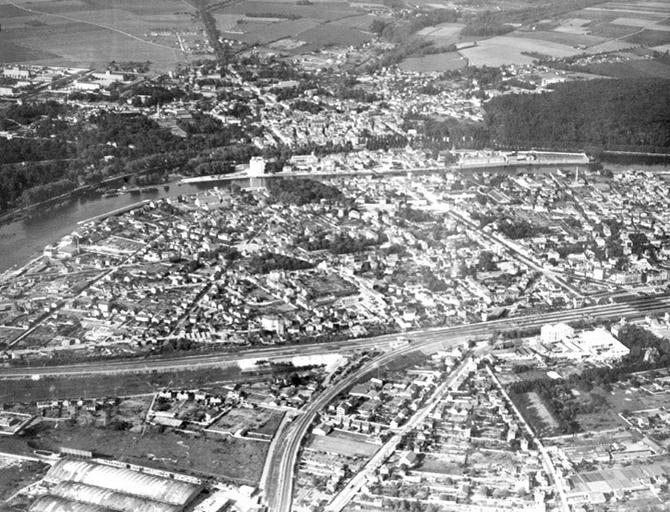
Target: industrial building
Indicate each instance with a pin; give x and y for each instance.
(85, 486)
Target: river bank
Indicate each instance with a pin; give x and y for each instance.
(23, 236)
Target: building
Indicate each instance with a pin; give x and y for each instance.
(602, 344)
(257, 166)
(6, 90)
(85, 486)
(553, 333)
(16, 73)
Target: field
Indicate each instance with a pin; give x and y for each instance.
(436, 62)
(609, 26)
(321, 25)
(502, 50)
(263, 421)
(91, 33)
(334, 34)
(345, 444)
(257, 31)
(10, 11)
(561, 38)
(444, 34)
(536, 414)
(650, 37)
(51, 388)
(228, 458)
(15, 474)
(325, 11)
(657, 68)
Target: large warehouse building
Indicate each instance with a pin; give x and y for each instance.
(83, 486)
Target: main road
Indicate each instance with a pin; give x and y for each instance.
(278, 488)
(634, 308)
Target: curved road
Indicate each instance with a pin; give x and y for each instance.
(279, 494)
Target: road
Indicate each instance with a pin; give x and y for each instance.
(279, 494)
(512, 248)
(343, 497)
(636, 308)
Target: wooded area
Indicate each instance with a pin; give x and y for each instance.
(627, 115)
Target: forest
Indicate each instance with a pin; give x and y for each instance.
(624, 115)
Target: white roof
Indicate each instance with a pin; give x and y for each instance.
(111, 499)
(124, 481)
(55, 504)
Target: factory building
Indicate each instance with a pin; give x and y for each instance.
(84, 486)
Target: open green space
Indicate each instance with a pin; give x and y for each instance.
(228, 458)
(52, 388)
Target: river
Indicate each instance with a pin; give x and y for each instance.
(23, 239)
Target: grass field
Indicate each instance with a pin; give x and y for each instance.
(650, 37)
(263, 421)
(327, 11)
(10, 11)
(256, 31)
(444, 30)
(361, 22)
(334, 34)
(49, 388)
(561, 37)
(655, 68)
(344, 444)
(145, 7)
(227, 458)
(611, 31)
(436, 62)
(15, 475)
(263, 22)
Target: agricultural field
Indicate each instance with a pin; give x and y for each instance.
(502, 50)
(91, 33)
(436, 62)
(610, 26)
(325, 11)
(263, 30)
(289, 26)
(650, 37)
(336, 34)
(653, 68)
(563, 38)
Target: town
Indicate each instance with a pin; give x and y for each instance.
(325, 256)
